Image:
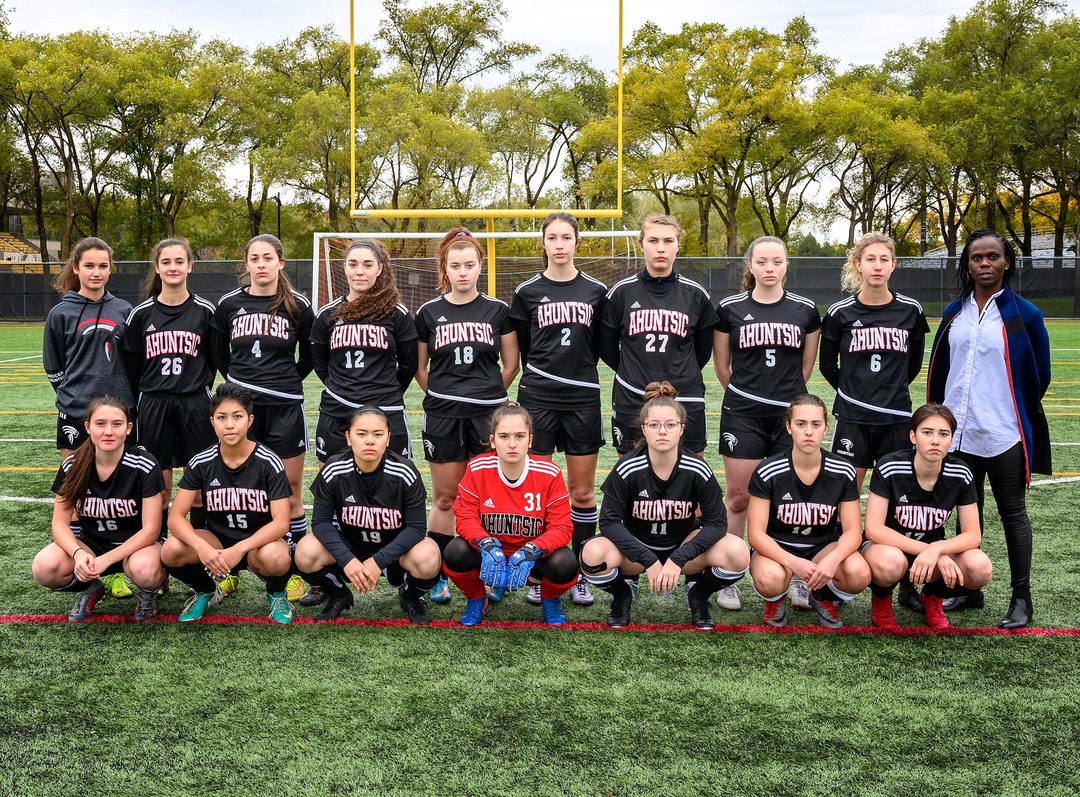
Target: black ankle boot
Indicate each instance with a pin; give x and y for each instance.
(1019, 614)
(970, 599)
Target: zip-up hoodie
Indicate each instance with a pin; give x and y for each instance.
(81, 351)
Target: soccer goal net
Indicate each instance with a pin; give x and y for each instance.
(608, 255)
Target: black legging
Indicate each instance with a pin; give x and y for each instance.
(1006, 472)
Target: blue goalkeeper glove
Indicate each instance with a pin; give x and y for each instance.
(492, 562)
(520, 564)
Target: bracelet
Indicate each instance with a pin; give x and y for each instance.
(80, 548)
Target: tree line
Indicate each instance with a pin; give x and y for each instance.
(736, 132)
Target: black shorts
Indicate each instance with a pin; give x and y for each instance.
(577, 432)
(282, 428)
(70, 432)
(626, 435)
(99, 545)
(808, 552)
(456, 439)
(743, 437)
(175, 428)
(864, 444)
(330, 434)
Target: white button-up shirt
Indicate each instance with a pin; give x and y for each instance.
(977, 389)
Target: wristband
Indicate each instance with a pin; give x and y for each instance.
(80, 548)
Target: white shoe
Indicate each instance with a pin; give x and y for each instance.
(799, 593)
(533, 596)
(729, 598)
(580, 594)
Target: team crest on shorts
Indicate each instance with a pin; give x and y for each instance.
(429, 447)
(847, 445)
(731, 440)
(70, 432)
(616, 433)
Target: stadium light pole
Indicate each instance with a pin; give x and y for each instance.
(277, 198)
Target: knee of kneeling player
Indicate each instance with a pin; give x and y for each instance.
(460, 557)
(423, 559)
(597, 552)
(561, 567)
(270, 560)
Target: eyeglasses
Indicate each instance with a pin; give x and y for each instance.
(655, 426)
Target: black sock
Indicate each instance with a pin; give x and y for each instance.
(275, 583)
(708, 581)
(74, 586)
(825, 594)
(194, 575)
(938, 589)
(329, 579)
(584, 520)
(884, 592)
(905, 583)
(416, 587)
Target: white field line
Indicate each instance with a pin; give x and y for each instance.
(20, 359)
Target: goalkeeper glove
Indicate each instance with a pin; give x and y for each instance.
(492, 562)
(520, 564)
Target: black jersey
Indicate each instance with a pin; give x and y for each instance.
(914, 512)
(167, 348)
(382, 514)
(647, 517)
(112, 509)
(259, 351)
(237, 500)
(880, 351)
(363, 362)
(804, 515)
(767, 343)
(554, 322)
(463, 340)
(658, 325)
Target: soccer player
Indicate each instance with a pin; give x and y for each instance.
(464, 336)
(554, 313)
(764, 352)
(804, 520)
(81, 351)
(113, 492)
(262, 342)
(649, 522)
(513, 521)
(245, 496)
(990, 364)
(912, 495)
(369, 517)
(363, 346)
(657, 326)
(872, 346)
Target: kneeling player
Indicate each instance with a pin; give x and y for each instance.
(115, 492)
(912, 494)
(513, 523)
(369, 518)
(648, 521)
(245, 493)
(803, 519)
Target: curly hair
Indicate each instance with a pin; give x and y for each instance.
(455, 239)
(850, 277)
(381, 298)
(748, 281)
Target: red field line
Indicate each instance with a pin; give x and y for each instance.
(400, 622)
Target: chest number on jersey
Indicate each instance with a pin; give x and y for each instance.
(565, 336)
(237, 521)
(256, 349)
(172, 366)
(658, 528)
(875, 362)
(354, 359)
(370, 536)
(463, 355)
(656, 343)
(532, 502)
(770, 358)
(106, 525)
(803, 530)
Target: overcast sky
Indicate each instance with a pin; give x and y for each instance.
(851, 31)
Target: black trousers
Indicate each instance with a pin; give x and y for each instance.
(1006, 473)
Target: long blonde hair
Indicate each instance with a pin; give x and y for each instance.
(850, 277)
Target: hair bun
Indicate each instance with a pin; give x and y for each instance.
(660, 390)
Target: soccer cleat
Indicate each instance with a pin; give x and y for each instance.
(474, 611)
(620, 610)
(552, 610)
(799, 593)
(294, 591)
(313, 597)
(776, 613)
(827, 612)
(166, 585)
(117, 586)
(972, 599)
(146, 607)
(336, 603)
(195, 608)
(533, 595)
(440, 593)
(414, 609)
(280, 608)
(86, 600)
(580, 593)
(729, 598)
(229, 585)
(935, 614)
(881, 611)
(909, 599)
(494, 594)
(699, 610)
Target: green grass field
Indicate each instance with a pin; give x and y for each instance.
(161, 709)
